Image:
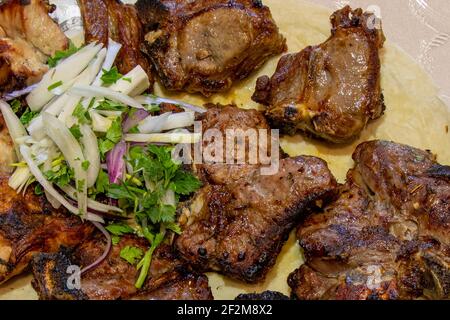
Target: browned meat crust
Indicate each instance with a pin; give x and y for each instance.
(264, 296)
(105, 19)
(27, 37)
(388, 234)
(330, 90)
(114, 278)
(7, 156)
(29, 225)
(238, 222)
(204, 46)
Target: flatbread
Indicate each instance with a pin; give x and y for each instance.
(414, 116)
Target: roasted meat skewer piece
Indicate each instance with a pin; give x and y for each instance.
(204, 46)
(330, 90)
(30, 225)
(114, 278)
(28, 36)
(388, 234)
(238, 222)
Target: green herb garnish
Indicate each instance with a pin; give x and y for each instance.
(28, 116)
(111, 76)
(55, 85)
(131, 254)
(59, 55)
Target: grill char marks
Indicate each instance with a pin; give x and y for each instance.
(330, 90)
(114, 278)
(29, 225)
(204, 46)
(238, 222)
(386, 237)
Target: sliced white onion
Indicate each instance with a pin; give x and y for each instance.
(99, 123)
(73, 154)
(86, 78)
(91, 153)
(137, 82)
(19, 178)
(158, 100)
(15, 127)
(166, 121)
(172, 138)
(26, 154)
(92, 204)
(65, 71)
(52, 200)
(100, 92)
(113, 50)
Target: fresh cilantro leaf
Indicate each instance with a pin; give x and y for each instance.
(75, 130)
(102, 183)
(85, 165)
(16, 105)
(162, 213)
(131, 254)
(28, 116)
(109, 105)
(38, 190)
(119, 229)
(113, 136)
(185, 183)
(111, 76)
(55, 85)
(115, 240)
(81, 114)
(152, 107)
(173, 227)
(53, 61)
(61, 176)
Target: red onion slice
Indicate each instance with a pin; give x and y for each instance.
(116, 162)
(133, 120)
(18, 93)
(105, 253)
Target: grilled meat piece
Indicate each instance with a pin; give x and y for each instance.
(7, 156)
(104, 19)
(264, 296)
(27, 37)
(29, 225)
(114, 278)
(238, 222)
(388, 234)
(330, 90)
(204, 46)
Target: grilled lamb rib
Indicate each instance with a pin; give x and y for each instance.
(114, 278)
(330, 90)
(29, 225)
(206, 45)
(388, 234)
(238, 222)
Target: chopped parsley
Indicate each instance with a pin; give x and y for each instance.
(76, 132)
(155, 215)
(85, 165)
(81, 114)
(28, 116)
(117, 230)
(131, 254)
(61, 174)
(112, 137)
(109, 105)
(112, 76)
(59, 55)
(16, 105)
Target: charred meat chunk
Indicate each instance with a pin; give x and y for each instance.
(204, 46)
(30, 225)
(238, 222)
(330, 90)
(264, 296)
(114, 278)
(104, 19)
(388, 234)
(28, 36)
